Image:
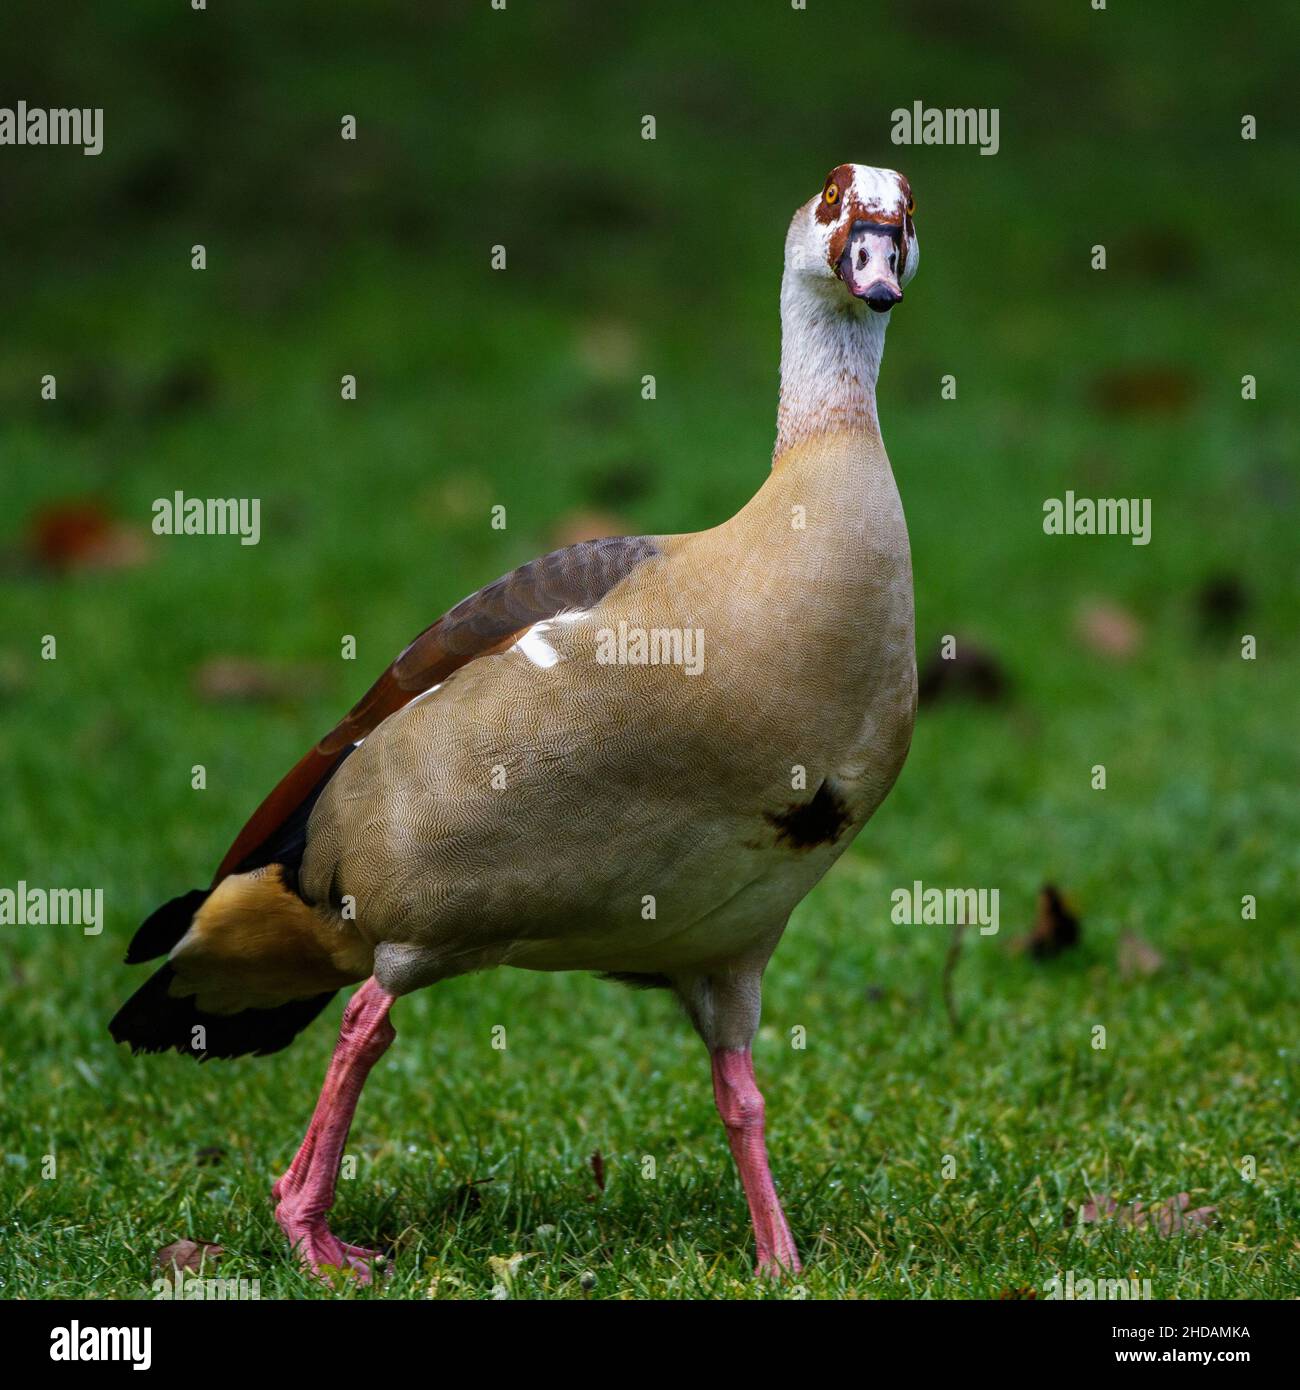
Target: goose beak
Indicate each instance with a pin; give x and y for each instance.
(869, 265)
(881, 296)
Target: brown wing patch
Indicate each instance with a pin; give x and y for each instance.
(805, 825)
(488, 621)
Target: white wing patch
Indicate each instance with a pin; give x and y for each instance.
(535, 647)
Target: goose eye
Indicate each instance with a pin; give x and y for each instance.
(911, 206)
(832, 193)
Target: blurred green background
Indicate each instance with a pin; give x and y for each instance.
(523, 388)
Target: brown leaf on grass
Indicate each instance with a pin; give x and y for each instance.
(1056, 927)
(228, 678)
(466, 1198)
(1099, 1209)
(71, 536)
(1173, 1217)
(1143, 390)
(574, 527)
(1108, 629)
(597, 1172)
(1025, 1292)
(970, 673)
(1137, 957)
(1167, 1218)
(189, 1255)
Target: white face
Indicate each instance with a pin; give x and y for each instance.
(857, 231)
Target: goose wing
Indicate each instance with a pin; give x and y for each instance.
(490, 620)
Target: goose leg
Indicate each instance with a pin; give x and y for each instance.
(740, 1103)
(305, 1194)
(725, 1006)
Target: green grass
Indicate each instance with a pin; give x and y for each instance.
(477, 389)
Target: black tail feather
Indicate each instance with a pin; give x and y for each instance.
(152, 1020)
(165, 926)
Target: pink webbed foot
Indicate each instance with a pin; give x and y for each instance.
(322, 1251)
(305, 1193)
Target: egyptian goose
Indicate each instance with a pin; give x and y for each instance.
(632, 756)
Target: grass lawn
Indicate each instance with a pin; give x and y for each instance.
(915, 1162)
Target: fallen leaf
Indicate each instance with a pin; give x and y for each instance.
(1109, 629)
(504, 1268)
(71, 536)
(971, 672)
(1173, 1216)
(467, 1198)
(1143, 390)
(1166, 1218)
(1025, 1292)
(1097, 1210)
(598, 1169)
(231, 678)
(1137, 957)
(1056, 928)
(190, 1255)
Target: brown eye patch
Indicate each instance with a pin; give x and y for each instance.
(831, 204)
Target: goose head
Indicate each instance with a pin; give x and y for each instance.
(855, 240)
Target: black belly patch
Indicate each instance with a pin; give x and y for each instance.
(806, 825)
(636, 979)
